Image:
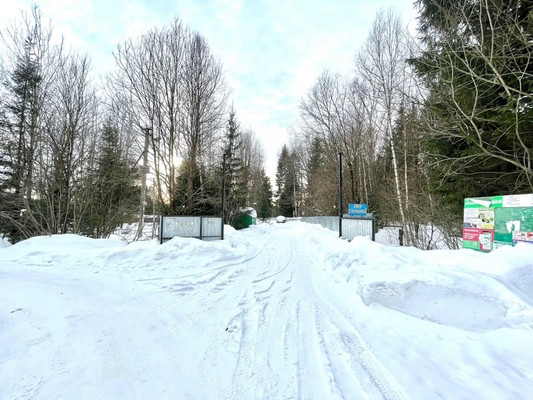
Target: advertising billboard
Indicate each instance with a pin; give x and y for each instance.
(491, 222)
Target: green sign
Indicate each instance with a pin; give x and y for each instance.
(491, 222)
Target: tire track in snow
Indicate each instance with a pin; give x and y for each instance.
(286, 316)
(367, 368)
(268, 333)
(256, 315)
(280, 337)
(280, 326)
(371, 375)
(342, 375)
(235, 343)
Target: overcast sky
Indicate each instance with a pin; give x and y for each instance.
(272, 50)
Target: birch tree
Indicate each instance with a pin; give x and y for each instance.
(382, 63)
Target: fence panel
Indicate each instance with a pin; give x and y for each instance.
(211, 228)
(331, 223)
(351, 227)
(190, 226)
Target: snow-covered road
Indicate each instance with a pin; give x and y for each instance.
(281, 335)
(284, 311)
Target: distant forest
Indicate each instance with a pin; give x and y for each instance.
(427, 119)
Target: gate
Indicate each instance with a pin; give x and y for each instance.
(351, 226)
(199, 227)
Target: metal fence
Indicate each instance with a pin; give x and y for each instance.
(355, 226)
(200, 227)
(331, 223)
(351, 226)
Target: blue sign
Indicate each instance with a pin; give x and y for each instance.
(357, 209)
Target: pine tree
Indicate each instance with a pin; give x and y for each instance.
(188, 194)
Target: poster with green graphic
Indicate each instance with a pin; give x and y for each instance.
(491, 222)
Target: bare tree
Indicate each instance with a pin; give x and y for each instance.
(175, 87)
(252, 155)
(70, 126)
(333, 120)
(149, 83)
(204, 105)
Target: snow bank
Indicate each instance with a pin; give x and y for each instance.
(458, 288)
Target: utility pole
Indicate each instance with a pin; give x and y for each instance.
(144, 172)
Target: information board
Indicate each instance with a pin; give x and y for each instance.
(491, 222)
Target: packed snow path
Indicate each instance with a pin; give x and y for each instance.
(286, 311)
(278, 335)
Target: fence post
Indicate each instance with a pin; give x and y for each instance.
(201, 228)
(161, 229)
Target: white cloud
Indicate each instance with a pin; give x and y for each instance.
(272, 51)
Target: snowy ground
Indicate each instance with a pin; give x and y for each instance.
(282, 311)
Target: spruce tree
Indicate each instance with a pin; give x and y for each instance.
(265, 199)
(115, 193)
(235, 186)
(19, 133)
(286, 183)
